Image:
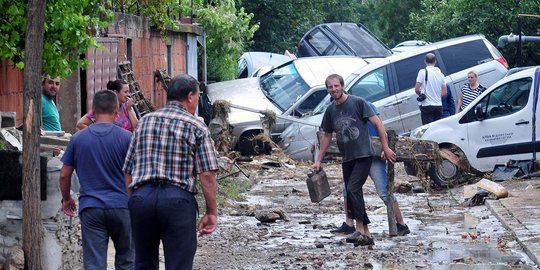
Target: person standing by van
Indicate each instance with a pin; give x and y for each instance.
(469, 91)
(430, 87)
(448, 104)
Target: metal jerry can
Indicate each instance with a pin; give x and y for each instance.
(318, 186)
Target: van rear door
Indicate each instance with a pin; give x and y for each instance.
(506, 129)
(459, 59)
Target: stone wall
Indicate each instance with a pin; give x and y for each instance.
(62, 245)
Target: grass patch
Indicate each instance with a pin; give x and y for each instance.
(229, 188)
(232, 189)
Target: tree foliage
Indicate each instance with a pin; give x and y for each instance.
(392, 19)
(70, 28)
(283, 22)
(438, 20)
(228, 30)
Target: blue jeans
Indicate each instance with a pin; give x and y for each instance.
(377, 172)
(168, 213)
(97, 226)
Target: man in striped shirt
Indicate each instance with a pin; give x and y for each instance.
(169, 149)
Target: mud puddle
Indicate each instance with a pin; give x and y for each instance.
(444, 235)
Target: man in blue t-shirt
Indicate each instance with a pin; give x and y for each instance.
(97, 155)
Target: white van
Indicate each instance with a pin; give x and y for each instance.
(389, 84)
(496, 127)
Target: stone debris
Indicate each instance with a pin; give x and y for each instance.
(271, 215)
(15, 259)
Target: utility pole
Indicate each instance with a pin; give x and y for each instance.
(32, 227)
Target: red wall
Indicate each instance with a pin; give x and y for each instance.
(149, 53)
(11, 89)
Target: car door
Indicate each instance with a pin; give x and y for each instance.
(506, 129)
(405, 71)
(375, 86)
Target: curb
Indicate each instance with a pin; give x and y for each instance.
(505, 216)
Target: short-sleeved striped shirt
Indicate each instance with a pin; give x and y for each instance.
(469, 94)
(170, 145)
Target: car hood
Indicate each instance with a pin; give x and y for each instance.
(245, 93)
(242, 92)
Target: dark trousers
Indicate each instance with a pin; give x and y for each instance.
(430, 114)
(97, 226)
(168, 213)
(355, 173)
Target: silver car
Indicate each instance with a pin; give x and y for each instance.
(292, 90)
(389, 85)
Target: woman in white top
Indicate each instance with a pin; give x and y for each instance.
(469, 91)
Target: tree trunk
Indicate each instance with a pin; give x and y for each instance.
(32, 227)
(392, 226)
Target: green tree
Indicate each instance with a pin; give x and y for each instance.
(283, 22)
(228, 31)
(227, 28)
(393, 19)
(70, 28)
(438, 20)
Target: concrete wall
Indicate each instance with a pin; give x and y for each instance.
(11, 224)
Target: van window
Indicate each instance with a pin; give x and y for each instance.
(465, 55)
(407, 70)
(506, 99)
(319, 41)
(373, 86)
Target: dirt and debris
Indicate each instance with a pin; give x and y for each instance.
(444, 233)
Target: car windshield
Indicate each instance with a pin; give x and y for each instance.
(283, 86)
(322, 105)
(359, 39)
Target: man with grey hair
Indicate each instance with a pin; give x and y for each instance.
(430, 87)
(169, 150)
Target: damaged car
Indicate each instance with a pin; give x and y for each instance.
(290, 90)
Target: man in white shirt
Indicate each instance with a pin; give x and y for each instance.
(430, 87)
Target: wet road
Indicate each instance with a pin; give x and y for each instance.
(444, 235)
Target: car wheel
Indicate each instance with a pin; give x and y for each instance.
(410, 167)
(248, 147)
(445, 174)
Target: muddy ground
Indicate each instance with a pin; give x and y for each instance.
(445, 235)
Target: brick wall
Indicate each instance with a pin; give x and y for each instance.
(11, 89)
(148, 52)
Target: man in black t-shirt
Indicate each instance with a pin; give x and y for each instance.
(348, 116)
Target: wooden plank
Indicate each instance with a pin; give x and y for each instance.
(392, 226)
(407, 149)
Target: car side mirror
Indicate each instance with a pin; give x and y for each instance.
(479, 113)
